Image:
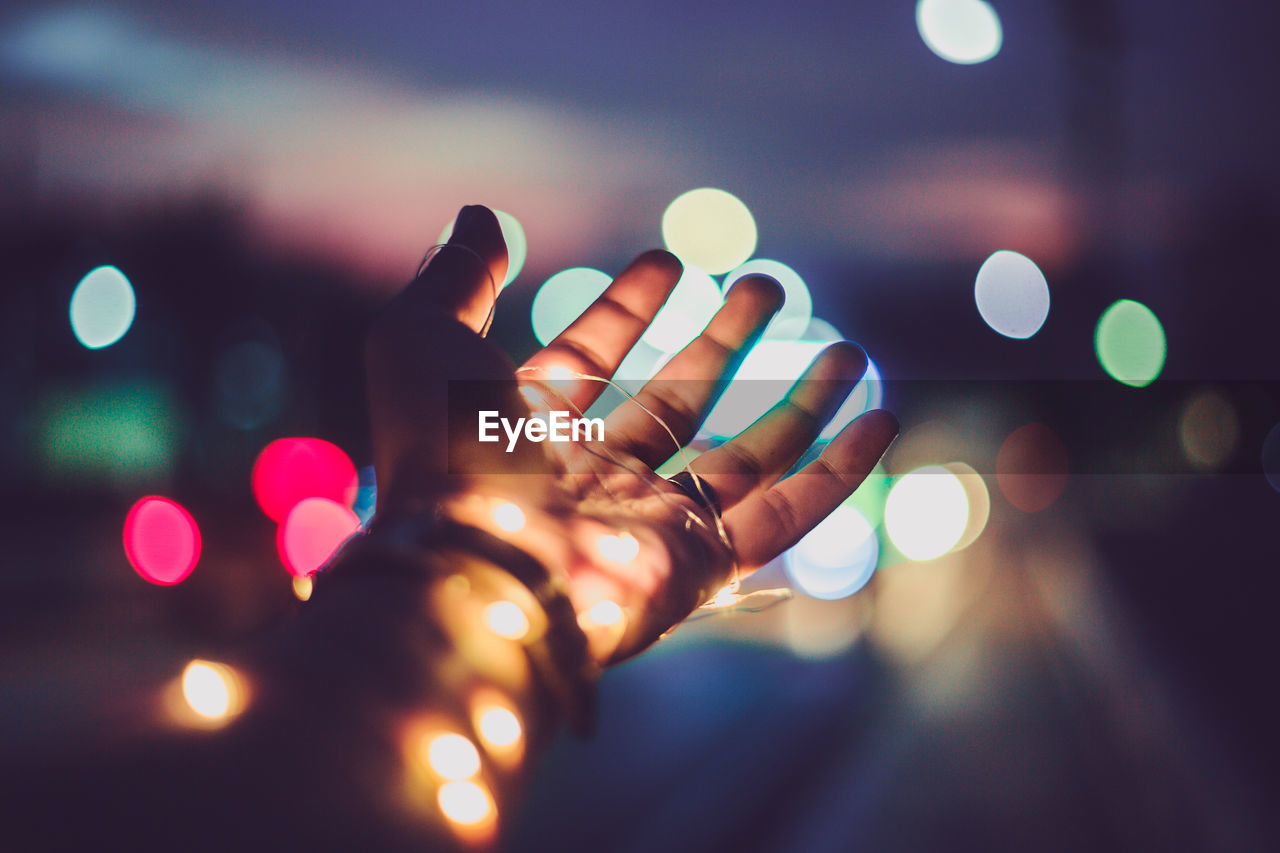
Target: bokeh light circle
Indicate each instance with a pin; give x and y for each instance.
(979, 499)
(926, 513)
(1208, 430)
(792, 320)
(965, 32)
(691, 305)
(311, 532)
(1271, 457)
(1012, 294)
(291, 469)
(562, 298)
(161, 540)
(710, 229)
(1031, 467)
(102, 307)
(835, 559)
(512, 235)
(1130, 343)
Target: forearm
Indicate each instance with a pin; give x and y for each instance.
(330, 743)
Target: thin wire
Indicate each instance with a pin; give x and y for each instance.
(725, 596)
(493, 285)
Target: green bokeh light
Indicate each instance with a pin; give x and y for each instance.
(562, 298)
(121, 436)
(1130, 343)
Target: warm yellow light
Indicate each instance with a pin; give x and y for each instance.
(464, 802)
(207, 688)
(622, 548)
(605, 612)
(509, 517)
(506, 619)
(302, 587)
(499, 727)
(710, 229)
(453, 756)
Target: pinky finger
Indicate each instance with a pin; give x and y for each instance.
(766, 524)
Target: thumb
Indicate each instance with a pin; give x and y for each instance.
(464, 275)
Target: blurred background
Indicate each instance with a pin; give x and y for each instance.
(1045, 622)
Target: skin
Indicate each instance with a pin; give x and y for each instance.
(327, 750)
(433, 332)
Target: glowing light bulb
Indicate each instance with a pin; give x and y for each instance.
(605, 613)
(622, 548)
(506, 619)
(965, 32)
(1130, 343)
(710, 229)
(927, 512)
(508, 517)
(453, 756)
(1012, 294)
(208, 689)
(499, 727)
(465, 803)
(102, 307)
(302, 588)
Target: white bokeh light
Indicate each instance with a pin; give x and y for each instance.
(965, 32)
(926, 513)
(102, 307)
(1012, 294)
(686, 312)
(836, 558)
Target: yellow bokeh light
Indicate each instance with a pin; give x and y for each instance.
(499, 727)
(302, 587)
(506, 619)
(209, 689)
(465, 802)
(926, 513)
(710, 229)
(453, 756)
(509, 517)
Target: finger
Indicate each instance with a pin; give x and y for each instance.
(464, 275)
(596, 342)
(767, 524)
(683, 392)
(760, 454)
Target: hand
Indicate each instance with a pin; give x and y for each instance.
(596, 513)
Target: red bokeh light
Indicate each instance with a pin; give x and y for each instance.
(311, 532)
(291, 469)
(1031, 467)
(161, 540)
